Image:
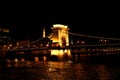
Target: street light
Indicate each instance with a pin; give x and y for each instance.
(103, 41)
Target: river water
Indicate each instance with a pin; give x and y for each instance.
(58, 70)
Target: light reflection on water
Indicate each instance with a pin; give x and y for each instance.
(31, 70)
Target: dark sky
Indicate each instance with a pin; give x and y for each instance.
(28, 22)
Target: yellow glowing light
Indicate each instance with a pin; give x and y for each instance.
(54, 52)
(5, 30)
(60, 52)
(22, 59)
(36, 59)
(16, 60)
(57, 52)
(44, 58)
(59, 25)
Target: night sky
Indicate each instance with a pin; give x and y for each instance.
(27, 23)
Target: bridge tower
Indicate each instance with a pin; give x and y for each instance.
(60, 35)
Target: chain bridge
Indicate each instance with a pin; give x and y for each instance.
(62, 39)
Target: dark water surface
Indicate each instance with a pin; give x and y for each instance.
(51, 70)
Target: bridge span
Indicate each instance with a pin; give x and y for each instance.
(76, 52)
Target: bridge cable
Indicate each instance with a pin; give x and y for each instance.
(35, 41)
(92, 36)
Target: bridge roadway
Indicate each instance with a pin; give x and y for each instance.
(71, 47)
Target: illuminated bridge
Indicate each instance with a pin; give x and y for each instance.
(60, 40)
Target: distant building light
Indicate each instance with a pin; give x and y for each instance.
(3, 36)
(82, 42)
(4, 30)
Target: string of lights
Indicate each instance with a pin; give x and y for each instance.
(96, 45)
(82, 35)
